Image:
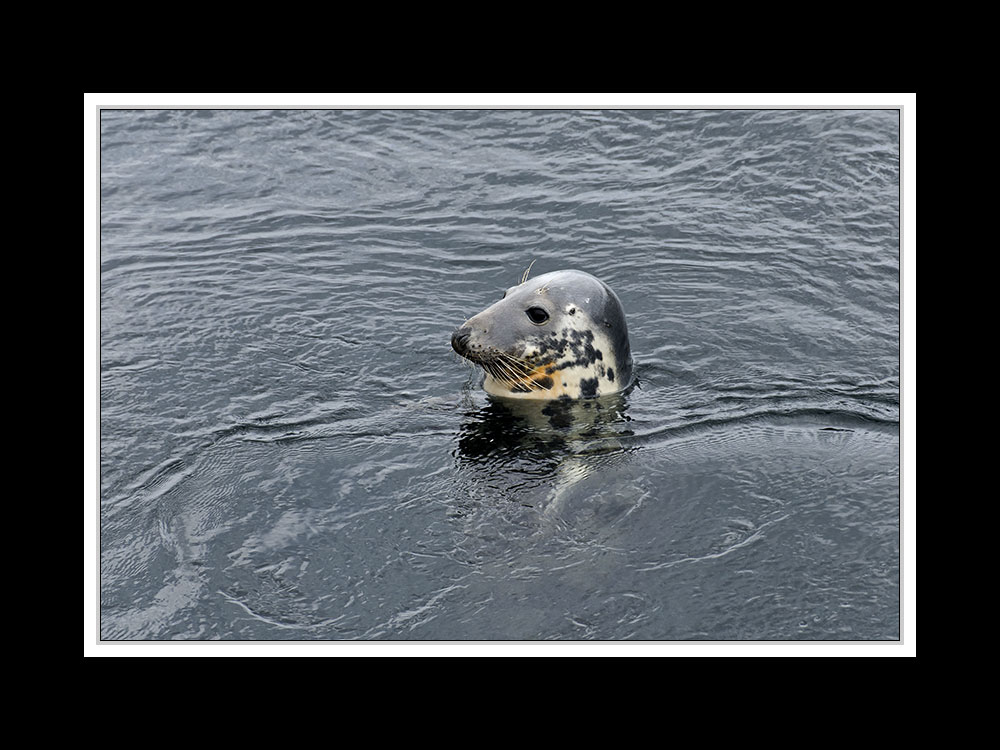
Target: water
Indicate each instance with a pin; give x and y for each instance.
(289, 449)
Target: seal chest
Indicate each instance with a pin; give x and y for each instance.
(559, 335)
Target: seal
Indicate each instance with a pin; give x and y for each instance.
(561, 335)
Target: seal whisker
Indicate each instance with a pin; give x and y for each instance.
(512, 362)
(522, 373)
(513, 365)
(522, 366)
(524, 276)
(527, 365)
(522, 370)
(492, 369)
(510, 376)
(501, 372)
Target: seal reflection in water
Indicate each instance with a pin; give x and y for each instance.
(561, 335)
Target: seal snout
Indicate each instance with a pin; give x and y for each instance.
(460, 341)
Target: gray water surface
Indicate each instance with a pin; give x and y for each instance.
(290, 450)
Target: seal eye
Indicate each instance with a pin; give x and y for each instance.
(536, 315)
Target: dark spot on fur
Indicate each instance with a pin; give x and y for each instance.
(588, 387)
(545, 382)
(611, 374)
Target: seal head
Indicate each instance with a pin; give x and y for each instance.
(559, 335)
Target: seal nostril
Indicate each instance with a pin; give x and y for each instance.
(460, 340)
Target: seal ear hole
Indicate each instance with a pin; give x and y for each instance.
(536, 315)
